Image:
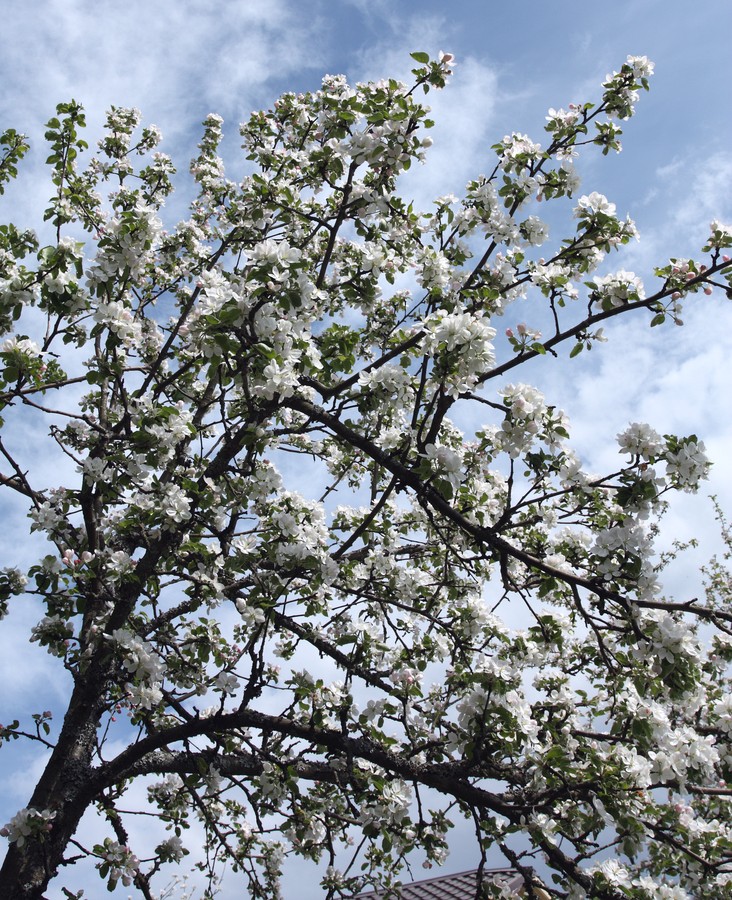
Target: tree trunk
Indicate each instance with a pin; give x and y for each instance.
(67, 787)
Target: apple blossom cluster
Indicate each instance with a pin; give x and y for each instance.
(12, 583)
(127, 244)
(293, 586)
(617, 289)
(462, 348)
(685, 459)
(143, 664)
(392, 806)
(622, 87)
(53, 632)
(28, 824)
(118, 863)
(528, 419)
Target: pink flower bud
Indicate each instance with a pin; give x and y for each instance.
(708, 291)
(509, 332)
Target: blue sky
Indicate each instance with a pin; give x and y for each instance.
(178, 60)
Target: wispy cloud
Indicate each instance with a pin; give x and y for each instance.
(177, 57)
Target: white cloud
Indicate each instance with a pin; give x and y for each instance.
(176, 60)
(174, 54)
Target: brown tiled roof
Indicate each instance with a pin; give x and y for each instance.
(460, 886)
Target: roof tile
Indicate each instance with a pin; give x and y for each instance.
(458, 886)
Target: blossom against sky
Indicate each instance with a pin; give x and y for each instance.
(178, 61)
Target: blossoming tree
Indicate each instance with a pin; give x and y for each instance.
(324, 576)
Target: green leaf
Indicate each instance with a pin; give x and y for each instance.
(420, 57)
(576, 350)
